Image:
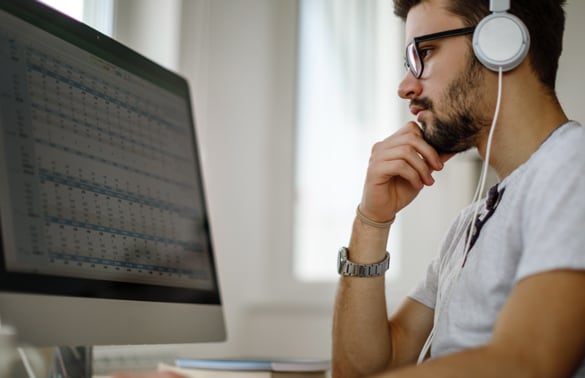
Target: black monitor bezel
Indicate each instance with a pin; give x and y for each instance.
(110, 50)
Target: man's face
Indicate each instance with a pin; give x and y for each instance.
(455, 120)
(448, 98)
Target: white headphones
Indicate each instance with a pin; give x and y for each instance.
(501, 40)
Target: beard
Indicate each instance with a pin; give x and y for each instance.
(463, 123)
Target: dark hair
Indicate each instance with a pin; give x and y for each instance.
(545, 20)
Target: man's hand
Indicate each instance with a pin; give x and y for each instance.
(400, 166)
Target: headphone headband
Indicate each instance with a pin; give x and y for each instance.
(499, 5)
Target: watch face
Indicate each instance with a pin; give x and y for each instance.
(341, 259)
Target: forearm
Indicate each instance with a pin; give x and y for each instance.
(361, 338)
(480, 362)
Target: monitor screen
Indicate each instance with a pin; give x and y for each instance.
(105, 236)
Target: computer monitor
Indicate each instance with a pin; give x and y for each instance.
(104, 225)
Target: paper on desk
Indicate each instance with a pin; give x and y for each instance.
(289, 365)
(217, 373)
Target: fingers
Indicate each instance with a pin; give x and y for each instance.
(400, 166)
(411, 134)
(402, 161)
(407, 154)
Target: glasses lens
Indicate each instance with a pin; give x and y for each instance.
(413, 61)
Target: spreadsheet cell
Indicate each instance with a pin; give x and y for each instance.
(102, 177)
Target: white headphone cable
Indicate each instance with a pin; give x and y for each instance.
(476, 197)
(483, 177)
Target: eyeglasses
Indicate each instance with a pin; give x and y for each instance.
(413, 60)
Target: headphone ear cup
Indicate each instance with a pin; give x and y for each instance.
(501, 40)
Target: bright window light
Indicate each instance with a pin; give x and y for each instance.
(72, 8)
(98, 14)
(350, 64)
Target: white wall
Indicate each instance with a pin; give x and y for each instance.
(245, 110)
(240, 58)
(150, 27)
(571, 77)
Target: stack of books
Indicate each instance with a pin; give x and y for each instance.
(248, 368)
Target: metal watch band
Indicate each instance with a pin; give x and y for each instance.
(348, 268)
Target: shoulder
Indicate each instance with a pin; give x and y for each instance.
(554, 177)
(546, 202)
(562, 150)
(556, 167)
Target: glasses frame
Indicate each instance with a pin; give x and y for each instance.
(412, 47)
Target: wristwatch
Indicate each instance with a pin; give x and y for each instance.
(348, 268)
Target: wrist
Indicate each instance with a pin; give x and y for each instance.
(371, 222)
(346, 267)
(367, 244)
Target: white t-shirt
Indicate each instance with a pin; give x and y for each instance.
(537, 226)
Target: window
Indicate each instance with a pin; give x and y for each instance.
(350, 64)
(96, 13)
(72, 8)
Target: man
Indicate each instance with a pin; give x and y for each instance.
(508, 299)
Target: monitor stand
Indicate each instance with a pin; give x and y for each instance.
(45, 362)
(72, 362)
(21, 360)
